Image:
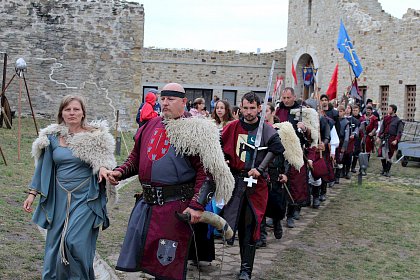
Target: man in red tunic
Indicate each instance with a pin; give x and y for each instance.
(298, 179)
(389, 136)
(370, 126)
(177, 173)
(245, 210)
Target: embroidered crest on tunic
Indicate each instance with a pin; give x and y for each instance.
(166, 251)
(158, 145)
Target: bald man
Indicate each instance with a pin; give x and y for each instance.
(156, 241)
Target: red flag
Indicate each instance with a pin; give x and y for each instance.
(332, 88)
(294, 73)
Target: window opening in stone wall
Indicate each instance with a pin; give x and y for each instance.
(229, 96)
(260, 94)
(363, 91)
(309, 11)
(193, 93)
(146, 90)
(410, 102)
(384, 99)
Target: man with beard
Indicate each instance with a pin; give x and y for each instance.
(245, 211)
(389, 136)
(298, 179)
(178, 172)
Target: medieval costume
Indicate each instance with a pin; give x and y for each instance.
(352, 147)
(357, 143)
(298, 178)
(391, 130)
(370, 126)
(178, 162)
(73, 205)
(344, 136)
(245, 211)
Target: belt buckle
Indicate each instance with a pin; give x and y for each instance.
(159, 196)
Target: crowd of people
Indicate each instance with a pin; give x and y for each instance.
(188, 161)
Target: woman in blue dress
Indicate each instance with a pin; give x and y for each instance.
(70, 159)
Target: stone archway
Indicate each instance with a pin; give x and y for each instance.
(305, 57)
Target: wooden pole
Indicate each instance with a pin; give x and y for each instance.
(19, 117)
(2, 155)
(30, 103)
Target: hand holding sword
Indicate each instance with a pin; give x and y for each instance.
(254, 173)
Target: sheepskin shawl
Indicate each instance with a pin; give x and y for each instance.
(310, 118)
(95, 147)
(292, 150)
(199, 136)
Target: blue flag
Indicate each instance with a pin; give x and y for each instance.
(345, 46)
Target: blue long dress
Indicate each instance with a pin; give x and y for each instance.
(73, 223)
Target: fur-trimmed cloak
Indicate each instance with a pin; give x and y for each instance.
(95, 147)
(199, 136)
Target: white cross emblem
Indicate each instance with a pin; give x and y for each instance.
(250, 181)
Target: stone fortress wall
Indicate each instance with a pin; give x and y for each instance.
(214, 70)
(96, 48)
(84, 47)
(388, 47)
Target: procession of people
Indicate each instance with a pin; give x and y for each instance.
(244, 166)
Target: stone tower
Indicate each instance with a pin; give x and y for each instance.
(388, 49)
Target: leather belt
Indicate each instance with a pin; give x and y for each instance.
(159, 195)
(239, 173)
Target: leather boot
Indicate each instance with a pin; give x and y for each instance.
(388, 169)
(278, 229)
(384, 166)
(262, 242)
(247, 262)
(353, 164)
(337, 176)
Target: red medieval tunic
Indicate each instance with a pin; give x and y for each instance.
(372, 126)
(157, 242)
(240, 160)
(391, 130)
(298, 179)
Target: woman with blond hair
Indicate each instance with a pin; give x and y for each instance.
(70, 158)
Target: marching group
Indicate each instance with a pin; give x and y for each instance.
(188, 161)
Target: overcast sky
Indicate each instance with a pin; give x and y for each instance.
(243, 25)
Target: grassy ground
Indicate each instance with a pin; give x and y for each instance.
(367, 232)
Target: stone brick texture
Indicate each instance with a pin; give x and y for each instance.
(96, 48)
(388, 47)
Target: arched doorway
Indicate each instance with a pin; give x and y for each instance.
(306, 57)
(305, 71)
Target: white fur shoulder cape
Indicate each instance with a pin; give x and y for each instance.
(310, 118)
(200, 136)
(292, 150)
(95, 147)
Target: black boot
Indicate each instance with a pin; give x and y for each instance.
(315, 197)
(384, 166)
(388, 169)
(353, 164)
(262, 242)
(247, 262)
(278, 229)
(337, 176)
